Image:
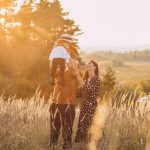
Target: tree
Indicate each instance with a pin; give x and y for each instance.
(33, 31)
(108, 82)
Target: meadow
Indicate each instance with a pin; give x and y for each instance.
(24, 125)
(26, 39)
(131, 66)
(24, 122)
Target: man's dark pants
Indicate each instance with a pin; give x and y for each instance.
(61, 115)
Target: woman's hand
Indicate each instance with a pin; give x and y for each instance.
(78, 76)
(73, 65)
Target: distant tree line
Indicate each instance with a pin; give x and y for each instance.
(137, 55)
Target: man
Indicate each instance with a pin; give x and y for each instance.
(62, 109)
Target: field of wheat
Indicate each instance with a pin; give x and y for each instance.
(24, 125)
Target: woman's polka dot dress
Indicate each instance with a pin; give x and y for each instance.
(88, 93)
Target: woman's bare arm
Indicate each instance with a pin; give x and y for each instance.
(73, 66)
(78, 77)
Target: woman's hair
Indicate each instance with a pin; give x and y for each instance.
(86, 74)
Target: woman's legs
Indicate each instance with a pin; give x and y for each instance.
(82, 131)
(85, 120)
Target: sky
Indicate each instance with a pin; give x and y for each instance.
(108, 23)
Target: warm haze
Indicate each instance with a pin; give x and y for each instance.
(28, 36)
(111, 23)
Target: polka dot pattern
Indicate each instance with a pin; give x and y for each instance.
(88, 93)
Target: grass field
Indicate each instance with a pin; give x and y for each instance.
(131, 70)
(24, 125)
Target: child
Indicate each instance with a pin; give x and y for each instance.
(60, 55)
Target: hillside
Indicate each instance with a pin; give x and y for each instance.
(130, 66)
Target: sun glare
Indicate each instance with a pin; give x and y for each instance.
(3, 11)
(2, 21)
(19, 3)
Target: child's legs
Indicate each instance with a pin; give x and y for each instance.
(62, 67)
(54, 65)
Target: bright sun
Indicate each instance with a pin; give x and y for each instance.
(3, 11)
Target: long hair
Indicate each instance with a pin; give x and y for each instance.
(86, 74)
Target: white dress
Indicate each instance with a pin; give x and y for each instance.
(59, 52)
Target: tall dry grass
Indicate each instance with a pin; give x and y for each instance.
(24, 125)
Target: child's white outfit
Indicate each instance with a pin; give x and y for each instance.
(59, 52)
(59, 56)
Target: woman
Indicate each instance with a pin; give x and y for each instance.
(88, 92)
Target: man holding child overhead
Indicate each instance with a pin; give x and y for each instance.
(62, 108)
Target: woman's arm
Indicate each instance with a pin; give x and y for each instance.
(73, 66)
(79, 79)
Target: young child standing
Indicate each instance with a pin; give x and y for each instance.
(60, 55)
